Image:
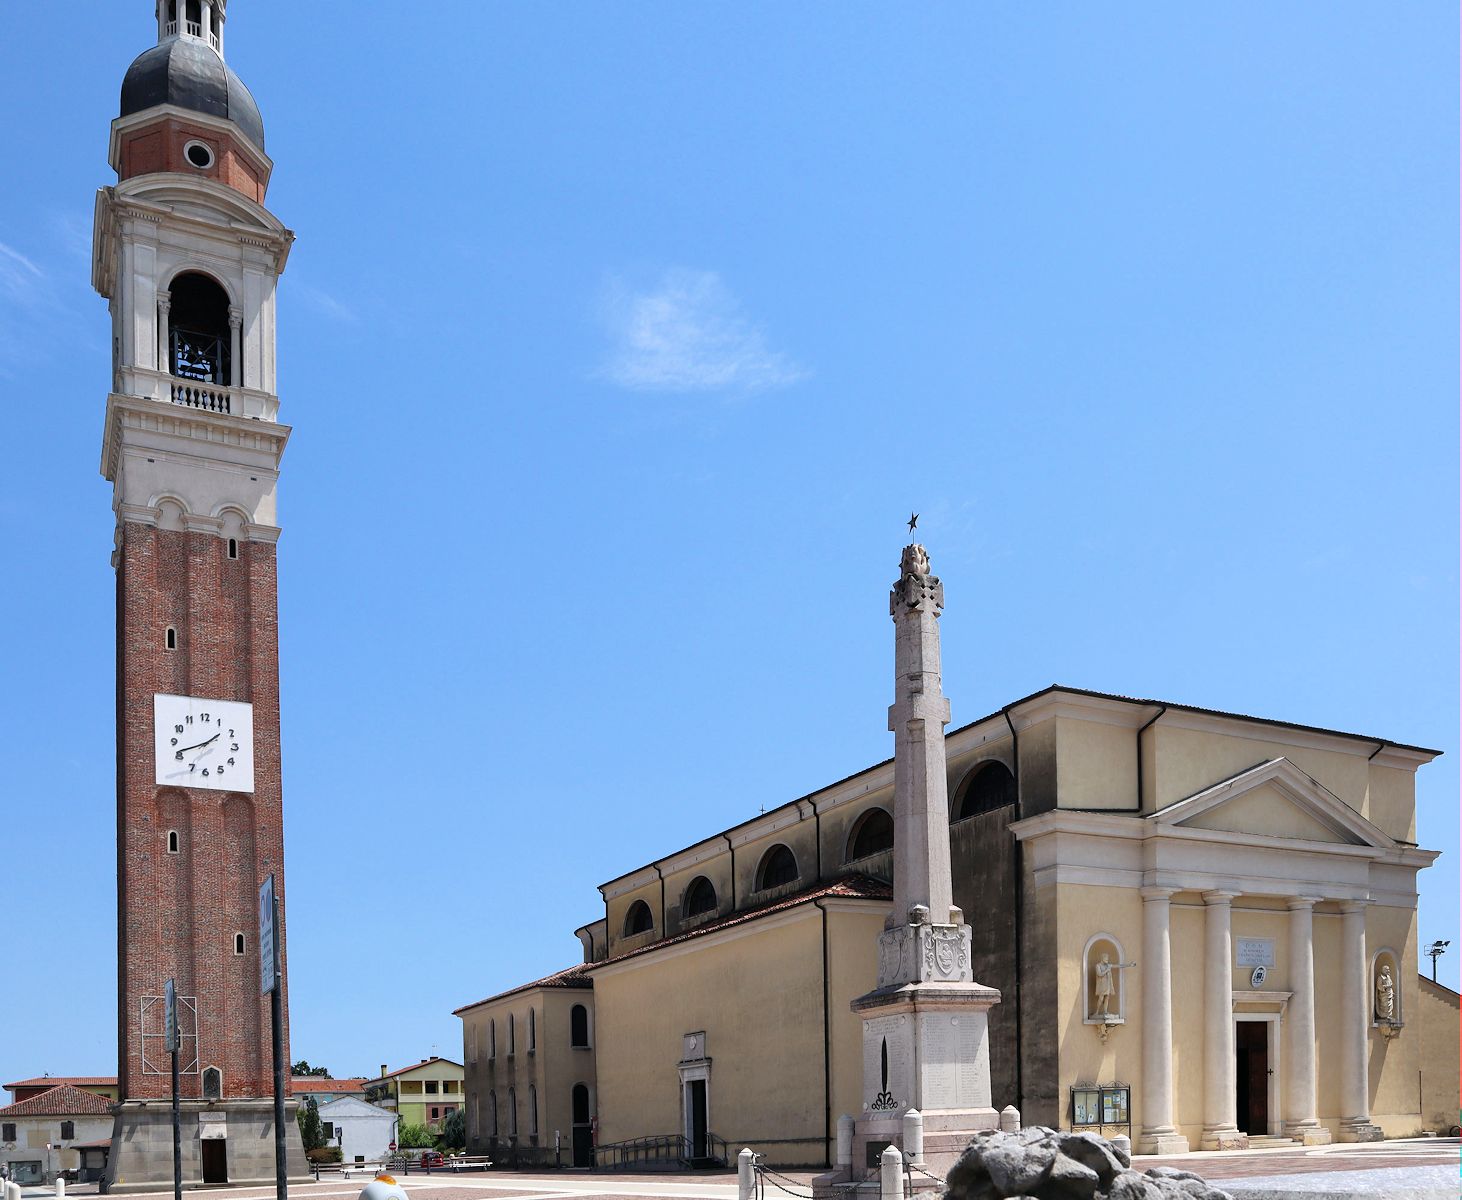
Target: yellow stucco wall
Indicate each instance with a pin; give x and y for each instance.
(1435, 1020)
(757, 993)
(1096, 765)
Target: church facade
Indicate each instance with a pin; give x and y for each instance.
(1202, 926)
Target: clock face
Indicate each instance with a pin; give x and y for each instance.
(203, 743)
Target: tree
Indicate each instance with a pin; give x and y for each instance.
(303, 1068)
(415, 1137)
(454, 1130)
(312, 1132)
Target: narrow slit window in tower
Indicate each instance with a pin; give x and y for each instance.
(238, 943)
(172, 841)
(233, 547)
(170, 640)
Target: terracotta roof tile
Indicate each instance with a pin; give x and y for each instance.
(57, 1080)
(576, 976)
(426, 1062)
(61, 1101)
(315, 1083)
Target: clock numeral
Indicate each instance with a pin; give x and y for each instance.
(205, 772)
(192, 767)
(205, 717)
(189, 718)
(179, 756)
(217, 770)
(231, 733)
(177, 729)
(175, 741)
(233, 745)
(230, 763)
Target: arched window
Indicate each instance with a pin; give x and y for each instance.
(872, 833)
(512, 1112)
(170, 639)
(700, 897)
(989, 787)
(512, 1038)
(578, 1026)
(199, 339)
(638, 919)
(532, 1030)
(492, 1041)
(492, 1114)
(533, 1110)
(778, 866)
(212, 1084)
(238, 943)
(172, 841)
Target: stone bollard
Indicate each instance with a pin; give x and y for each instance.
(914, 1135)
(1124, 1144)
(12, 1190)
(845, 1141)
(60, 1187)
(1010, 1119)
(891, 1174)
(745, 1174)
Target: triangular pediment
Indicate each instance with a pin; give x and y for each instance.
(1274, 799)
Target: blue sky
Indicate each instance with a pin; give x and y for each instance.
(619, 341)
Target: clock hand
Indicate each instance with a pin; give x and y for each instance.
(209, 742)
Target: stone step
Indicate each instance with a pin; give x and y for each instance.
(1266, 1141)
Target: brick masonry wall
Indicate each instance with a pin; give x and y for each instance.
(159, 147)
(178, 913)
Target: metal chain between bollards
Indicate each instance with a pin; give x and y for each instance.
(778, 1181)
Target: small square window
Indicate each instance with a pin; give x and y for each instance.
(68, 1130)
(7, 1132)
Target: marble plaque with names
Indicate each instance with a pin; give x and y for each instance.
(1254, 952)
(888, 1055)
(951, 1061)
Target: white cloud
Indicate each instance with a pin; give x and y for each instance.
(20, 279)
(687, 333)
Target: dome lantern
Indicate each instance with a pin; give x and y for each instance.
(201, 20)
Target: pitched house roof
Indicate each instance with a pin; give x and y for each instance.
(50, 1081)
(61, 1101)
(305, 1085)
(426, 1062)
(576, 976)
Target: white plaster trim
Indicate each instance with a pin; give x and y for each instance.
(1125, 714)
(629, 883)
(1302, 790)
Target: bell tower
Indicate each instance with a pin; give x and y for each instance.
(188, 259)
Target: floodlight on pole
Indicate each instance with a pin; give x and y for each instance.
(1434, 952)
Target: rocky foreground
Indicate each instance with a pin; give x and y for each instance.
(1046, 1164)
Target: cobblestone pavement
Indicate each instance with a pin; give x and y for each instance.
(1371, 1156)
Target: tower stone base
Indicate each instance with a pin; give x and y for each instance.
(142, 1144)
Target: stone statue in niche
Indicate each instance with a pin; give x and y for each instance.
(1106, 985)
(1385, 995)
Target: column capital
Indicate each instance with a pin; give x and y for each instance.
(1296, 903)
(235, 316)
(1353, 906)
(164, 297)
(1220, 897)
(1157, 892)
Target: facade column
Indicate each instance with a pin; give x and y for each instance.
(1159, 1134)
(1355, 1020)
(1301, 1118)
(1220, 1132)
(235, 361)
(205, 15)
(164, 307)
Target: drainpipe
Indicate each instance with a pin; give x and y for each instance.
(1381, 746)
(663, 931)
(1140, 732)
(817, 833)
(1019, 854)
(827, 1067)
(731, 846)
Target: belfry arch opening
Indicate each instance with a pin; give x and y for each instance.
(198, 330)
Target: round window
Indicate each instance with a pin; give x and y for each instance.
(200, 154)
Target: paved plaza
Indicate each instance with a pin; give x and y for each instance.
(1425, 1169)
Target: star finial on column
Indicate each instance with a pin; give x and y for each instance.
(913, 521)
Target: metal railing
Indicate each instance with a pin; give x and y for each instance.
(402, 1164)
(661, 1152)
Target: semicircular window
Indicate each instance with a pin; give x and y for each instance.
(638, 919)
(778, 866)
(991, 786)
(700, 897)
(872, 834)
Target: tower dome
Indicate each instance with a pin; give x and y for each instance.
(189, 73)
(186, 69)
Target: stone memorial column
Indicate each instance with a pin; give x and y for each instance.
(1301, 1117)
(1220, 1132)
(1355, 1021)
(1159, 1134)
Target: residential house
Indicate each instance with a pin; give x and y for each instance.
(425, 1093)
(61, 1129)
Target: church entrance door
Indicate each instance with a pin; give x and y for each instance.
(583, 1128)
(1251, 1076)
(215, 1160)
(695, 1106)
